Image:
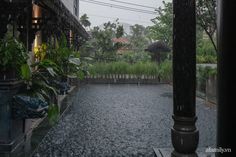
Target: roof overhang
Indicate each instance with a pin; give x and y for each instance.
(61, 11)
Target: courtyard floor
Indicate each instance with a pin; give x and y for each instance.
(120, 120)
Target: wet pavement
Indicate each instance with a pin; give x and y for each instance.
(120, 121)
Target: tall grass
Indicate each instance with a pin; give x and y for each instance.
(164, 70)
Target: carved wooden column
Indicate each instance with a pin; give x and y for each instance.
(184, 133)
(11, 130)
(4, 18)
(4, 22)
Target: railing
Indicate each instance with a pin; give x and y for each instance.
(206, 82)
(125, 79)
(206, 88)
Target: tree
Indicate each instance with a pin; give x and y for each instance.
(206, 18)
(84, 19)
(138, 39)
(163, 24)
(101, 42)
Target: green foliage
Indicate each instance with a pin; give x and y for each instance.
(26, 73)
(84, 19)
(48, 66)
(119, 31)
(203, 73)
(101, 46)
(206, 52)
(39, 80)
(53, 113)
(164, 70)
(12, 54)
(77, 68)
(206, 18)
(39, 84)
(162, 28)
(205, 47)
(67, 60)
(132, 57)
(40, 77)
(138, 39)
(88, 49)
(57, 64)
(206, 59)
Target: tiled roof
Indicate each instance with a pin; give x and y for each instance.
(120, 40)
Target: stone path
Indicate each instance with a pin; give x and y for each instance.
(120, 121)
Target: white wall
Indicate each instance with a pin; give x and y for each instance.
(69, 4)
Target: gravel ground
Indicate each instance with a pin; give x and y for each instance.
(120, 120)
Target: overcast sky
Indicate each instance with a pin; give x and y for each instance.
(99, 14)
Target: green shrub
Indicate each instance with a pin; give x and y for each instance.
(206, 52)
(12, 55)
(206, 59)
(205, 48)
(205, 72)
(139, 68)
(134, 57)
(165, 70)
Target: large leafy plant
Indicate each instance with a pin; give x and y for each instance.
(12, 55)
(40, 51)
(39, 84)
(68, 60)
(44, 77)
(38, 80)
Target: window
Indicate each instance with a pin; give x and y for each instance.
(76, 7)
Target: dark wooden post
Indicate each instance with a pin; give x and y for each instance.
(226, 77)
(4, 18)
(4, 22)
(184, 133)
(12, 135)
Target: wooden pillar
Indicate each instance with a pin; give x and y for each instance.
(36, 26)
(71, 40)
(226, 77)
(184, 133)
(4, 19)
(4, 22)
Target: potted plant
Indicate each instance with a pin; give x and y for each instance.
(68, 62)
(12, 56)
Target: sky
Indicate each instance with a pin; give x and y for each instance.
(100, 14)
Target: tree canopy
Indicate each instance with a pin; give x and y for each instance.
(84, 19)
(206, 18)
(101, 40)
(138, 39)
(163, 24)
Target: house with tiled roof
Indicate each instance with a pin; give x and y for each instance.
(125, 44)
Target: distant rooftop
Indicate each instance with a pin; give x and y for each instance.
(121, 40)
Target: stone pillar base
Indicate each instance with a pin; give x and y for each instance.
(184, 135)
(176, 154)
